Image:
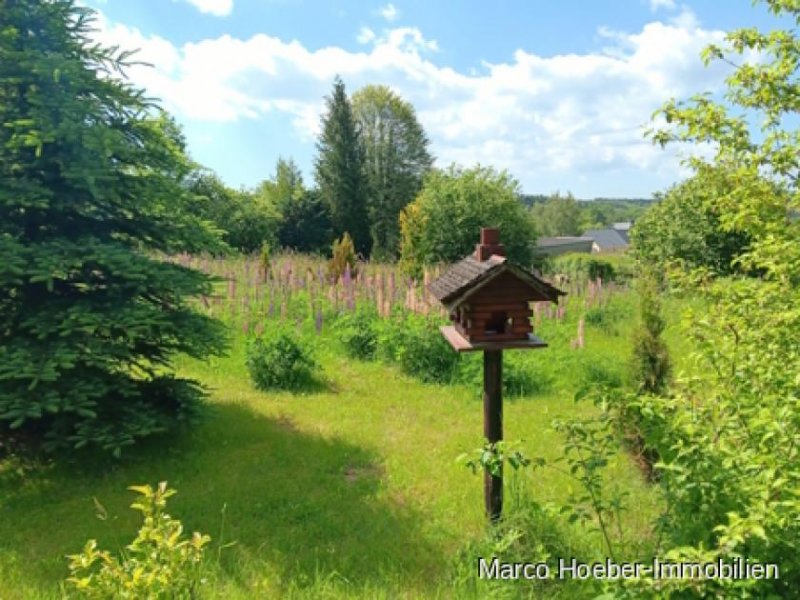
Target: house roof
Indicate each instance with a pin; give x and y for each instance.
(552, 242)
(607, 239)
(469, 275)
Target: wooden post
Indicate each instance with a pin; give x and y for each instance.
(493, 427)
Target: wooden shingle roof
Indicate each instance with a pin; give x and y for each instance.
(468, 275)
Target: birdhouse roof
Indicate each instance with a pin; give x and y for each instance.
(469, 275)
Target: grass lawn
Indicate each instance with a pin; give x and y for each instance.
(351, 490)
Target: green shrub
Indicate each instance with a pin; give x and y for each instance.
(358, 334)
(600, 269)
(606, 318)
(583, 266)
(521, 375)
(159, 563)
(600, 371)
(415, 343)
(279, 360)
(344, 255)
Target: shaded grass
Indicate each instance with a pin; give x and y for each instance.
(349, 489)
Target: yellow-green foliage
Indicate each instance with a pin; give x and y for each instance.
(344, 254)
(159, 563)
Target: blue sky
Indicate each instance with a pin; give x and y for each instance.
(558, 93)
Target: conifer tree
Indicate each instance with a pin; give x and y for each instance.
(652, 366)
(92, 192)
(339, 170)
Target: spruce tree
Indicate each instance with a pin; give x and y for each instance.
(339, 170)
(92, 192)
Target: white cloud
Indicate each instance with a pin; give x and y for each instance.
(218, 8)
(667, 4)
(365, 35)
(389, 12)
(534, 115)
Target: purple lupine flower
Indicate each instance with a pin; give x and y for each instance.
(347, 276)
(245, 327)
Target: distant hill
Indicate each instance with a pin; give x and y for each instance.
(531, 199)
(599, 212)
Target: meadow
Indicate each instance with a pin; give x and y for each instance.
(349, 487)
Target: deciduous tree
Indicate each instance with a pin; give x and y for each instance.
(684, 226)
(559, 215)
(443, 223)
(396, 160)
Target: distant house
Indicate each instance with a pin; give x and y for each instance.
(607, 240)
(610, 239)
(553, 246)
(624, 229)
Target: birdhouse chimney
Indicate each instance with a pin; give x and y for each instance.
(490, 244)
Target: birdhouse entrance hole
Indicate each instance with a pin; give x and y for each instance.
(498, 323)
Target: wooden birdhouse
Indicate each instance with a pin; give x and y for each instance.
(489, 298)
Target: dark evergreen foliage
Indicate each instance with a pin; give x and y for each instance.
(91, 190)
(246, 219)
(306, 224)
(339, 170)
(651, 364)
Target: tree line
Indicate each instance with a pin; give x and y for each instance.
(373, 162)
(372, 158)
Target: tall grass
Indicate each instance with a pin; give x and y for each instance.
(349, 489)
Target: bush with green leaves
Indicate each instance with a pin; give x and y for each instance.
(159, 563)
(92, 190)
(580, 267)
(601, 370)
(415, 343)
(344, 258)
(606, 318)
(729, 436)
(684, 226)
(522, 375)
(358, 332)
(280, 359)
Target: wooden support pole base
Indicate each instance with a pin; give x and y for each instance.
(493, 427)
